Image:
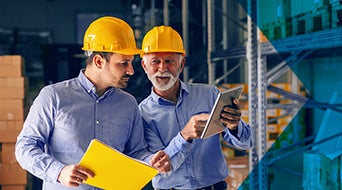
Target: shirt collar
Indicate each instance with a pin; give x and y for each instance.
(89, 86)
(85, 82)
(185, 89)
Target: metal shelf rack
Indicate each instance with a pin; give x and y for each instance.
(296, 48)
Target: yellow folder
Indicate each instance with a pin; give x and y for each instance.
(114, 170)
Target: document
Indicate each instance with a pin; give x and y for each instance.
(214, 125)
(115, 170)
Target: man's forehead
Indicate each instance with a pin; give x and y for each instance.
(122, 57)
(163, 55)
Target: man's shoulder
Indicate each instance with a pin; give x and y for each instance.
(60, 87)
(145, 101)
(200, 87)
(62, 84)
(124, 94)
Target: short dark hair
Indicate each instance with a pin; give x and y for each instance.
(106, 55)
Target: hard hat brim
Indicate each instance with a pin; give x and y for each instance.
(122, 51)
(142, 53)
(129, 51)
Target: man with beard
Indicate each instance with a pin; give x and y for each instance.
(175, 113)
(66, 116)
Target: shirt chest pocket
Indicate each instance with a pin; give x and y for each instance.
(116, 131)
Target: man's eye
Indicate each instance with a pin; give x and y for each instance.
(169, 61)
(155, 61)
(125, 63)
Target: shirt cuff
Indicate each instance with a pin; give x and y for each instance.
(54, 171)
(181, 143)
(234, 132)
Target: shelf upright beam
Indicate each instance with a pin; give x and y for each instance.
(262, 106)
(225, 34)
(211, 40)
(153, 11)
(252, 59)
(166, 15)
(185, 35)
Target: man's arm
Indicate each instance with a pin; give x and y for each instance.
(29, 150)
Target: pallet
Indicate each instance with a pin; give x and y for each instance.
(312, 21)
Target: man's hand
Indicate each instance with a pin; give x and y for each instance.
(231, 115)
(161, 162)
(195, 126)
(74, 175)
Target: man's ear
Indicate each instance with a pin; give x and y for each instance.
(143, 64)
(183, 64)
(98, 61)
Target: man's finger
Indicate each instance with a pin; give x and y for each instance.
(85, 171)
(156, 157)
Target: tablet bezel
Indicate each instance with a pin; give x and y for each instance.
(214, 125)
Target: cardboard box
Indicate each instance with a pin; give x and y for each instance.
(12, 87)
(13, 187)
(228, 152)
(11, 66)
(9, 130)
(275, 128)
(7, 154)
(13, 82)
(238, 160)
(239, 174)
(11, 109)
(12, 174)
(238, 171)
(232, 183)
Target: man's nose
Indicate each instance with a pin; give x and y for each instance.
(162, 66)
(130, 69)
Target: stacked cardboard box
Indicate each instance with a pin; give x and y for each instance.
(13, 84)
(238, 171)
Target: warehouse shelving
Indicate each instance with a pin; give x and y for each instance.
(295, 49)
(328, 38)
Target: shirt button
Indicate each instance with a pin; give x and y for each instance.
(97, 101)
(97, 122)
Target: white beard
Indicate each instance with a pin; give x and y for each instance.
(163, 86)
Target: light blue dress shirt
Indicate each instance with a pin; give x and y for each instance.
(65, 117)
(197, 164)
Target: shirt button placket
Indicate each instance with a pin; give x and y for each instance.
(97, 121)
(98, 132)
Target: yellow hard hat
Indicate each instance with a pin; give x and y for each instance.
(162, 39)
(110, 34)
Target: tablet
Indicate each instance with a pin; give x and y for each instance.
(214, 125)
